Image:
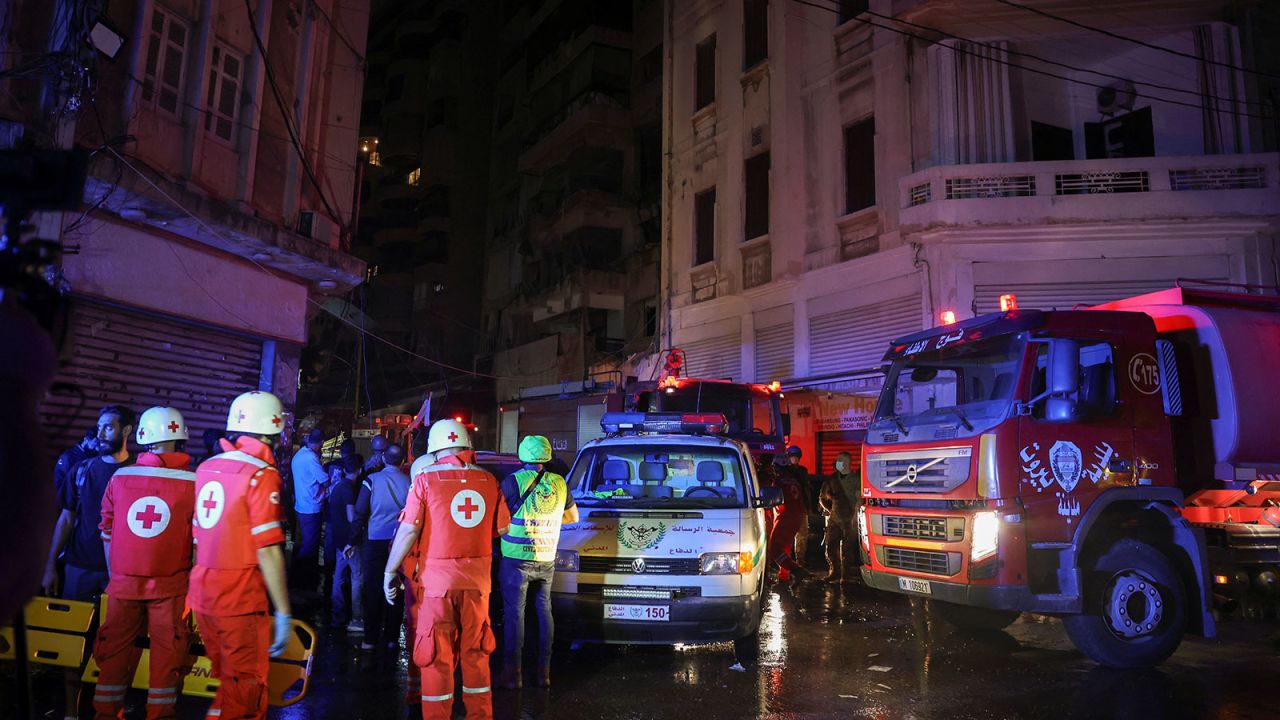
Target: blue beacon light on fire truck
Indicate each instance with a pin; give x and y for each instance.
(633, 422)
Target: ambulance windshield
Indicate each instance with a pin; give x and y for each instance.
(659, 476)
(948, 390)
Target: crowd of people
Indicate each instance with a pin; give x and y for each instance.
(159, 534)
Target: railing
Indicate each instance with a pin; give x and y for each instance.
(925, 194)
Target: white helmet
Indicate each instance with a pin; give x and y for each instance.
(161, 424)
(447, 434)
(256, 413)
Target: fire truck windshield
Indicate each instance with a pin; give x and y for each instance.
(955, 390)
(749, 412)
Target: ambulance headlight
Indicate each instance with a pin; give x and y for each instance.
(567, 560)
(863, 537)
(986, 535)
(725, 563)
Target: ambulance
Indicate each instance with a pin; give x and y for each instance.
(670, 545)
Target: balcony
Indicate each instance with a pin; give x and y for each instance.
(1130, 189)
(594, 119)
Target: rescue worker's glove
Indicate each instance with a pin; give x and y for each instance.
(283, 626)
(391, 586)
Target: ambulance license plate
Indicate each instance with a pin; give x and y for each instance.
(914, 585)
(644, 613)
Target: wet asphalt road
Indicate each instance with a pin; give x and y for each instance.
(837, 652)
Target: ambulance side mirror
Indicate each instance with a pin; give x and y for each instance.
(770, 497)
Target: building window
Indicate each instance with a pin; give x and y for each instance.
(166, 59)
(223, 104)
(369, 148)
(415, 177)
(705, 79)
(755, 32)
(756, 222)
(860, 165)
(704, 226)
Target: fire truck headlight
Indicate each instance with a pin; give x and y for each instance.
(567, 560)
(863, 537)
(986, 535)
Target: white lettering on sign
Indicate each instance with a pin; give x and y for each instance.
(1144, 373)
(559, 444)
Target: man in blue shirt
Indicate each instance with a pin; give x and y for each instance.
(77, 529)
(310, 485)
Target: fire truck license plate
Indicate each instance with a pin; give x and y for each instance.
(647, 613)
(914, 585)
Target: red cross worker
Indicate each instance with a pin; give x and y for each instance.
(146, 531)
(445, 541)
(239, 558)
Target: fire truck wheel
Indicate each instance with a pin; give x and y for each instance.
(1135, 608)
(974, 619)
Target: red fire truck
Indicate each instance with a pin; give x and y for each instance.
(1108, 465)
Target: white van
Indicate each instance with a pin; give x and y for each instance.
(670, 547)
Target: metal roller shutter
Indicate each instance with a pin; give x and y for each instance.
(139, 361)
(1064, 295)
(589, 422)
(718, 358)
(833, 443)
(775, 352)
(856, 338)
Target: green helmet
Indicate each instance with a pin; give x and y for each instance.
(535, 449)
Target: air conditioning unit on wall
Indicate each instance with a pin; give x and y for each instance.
(316, 226)
(1116, 97)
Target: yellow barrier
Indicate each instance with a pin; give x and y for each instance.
(58, 633)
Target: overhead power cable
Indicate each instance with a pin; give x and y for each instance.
(1046, 73)
(1058, 63)
(1135, 41)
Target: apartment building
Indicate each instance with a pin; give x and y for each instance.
(570, 290)
(218, 207)
(841, 173)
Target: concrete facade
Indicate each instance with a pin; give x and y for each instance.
(219, 198)
(965, 109)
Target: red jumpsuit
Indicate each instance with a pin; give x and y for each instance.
(237, 512)
(793, 513)
(150, 563)
(459, 509)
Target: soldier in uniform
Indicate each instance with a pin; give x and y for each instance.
(453, 513)
(149, 557)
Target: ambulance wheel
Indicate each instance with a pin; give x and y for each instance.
(975, 619)
(1135, 608)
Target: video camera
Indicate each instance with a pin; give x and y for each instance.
(30, 180)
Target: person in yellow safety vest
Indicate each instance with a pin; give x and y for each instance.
(540, 502)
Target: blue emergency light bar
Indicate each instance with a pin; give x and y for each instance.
(635, 422)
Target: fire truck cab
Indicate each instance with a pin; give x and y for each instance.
(1070, 462)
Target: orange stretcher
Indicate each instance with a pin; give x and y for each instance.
(61, 632)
